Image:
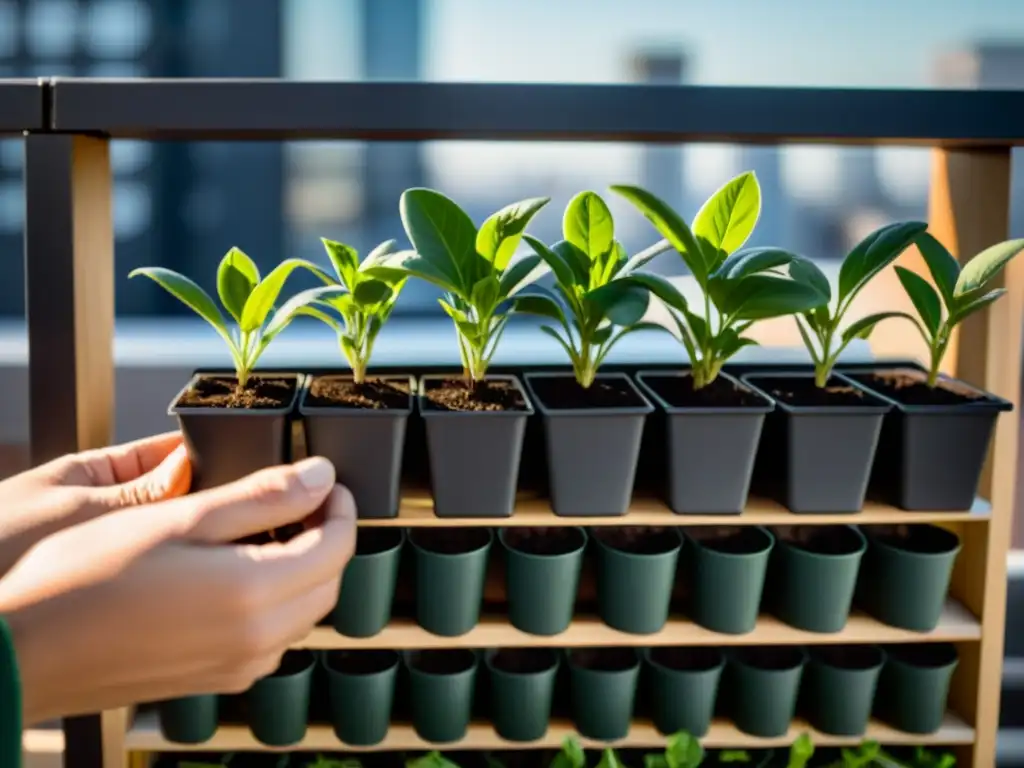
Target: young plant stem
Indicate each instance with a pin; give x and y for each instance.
(823, 367)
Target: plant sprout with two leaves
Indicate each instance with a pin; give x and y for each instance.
(961, 292)
(682, 750)
(739, 287)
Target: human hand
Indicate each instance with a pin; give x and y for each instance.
(155, 601)
(82, 486)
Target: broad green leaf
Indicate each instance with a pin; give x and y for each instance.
(431, 760)
(453, 312)
(563, 273)
(655, 761)
(969, 308)
(610, 759)
(237, 275)
(264, 296)
(728, 342)
(442, 234)
(759, 297)
(379, 255)
(302, 300)
(925, 299)
(863, 328)
(413, 264)
(602, 334)
(543, 306)
(577, 260)
(644, 257)
(622, 303)
(801, 751)
(659, 286)
(873, 254)
(729, 216)
(616, 261)
(187, 292)
(318, 313)
(484, 294)
(500, 234)
(943, 267)
(752, 261)
(683, 750)
(986, 265)
(806, 271)
(345, 261)
(520, 274)
(571, 755)
(698, 327)
(587, 224)
(369, 292)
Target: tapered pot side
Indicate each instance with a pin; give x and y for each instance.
(441, 688)
(361, 688)
(727, 567)
(592, 438)
(763, 685)
(361, 430)
(277, 706)
(189, 719)
(839, 685)
(913, 688)
(542, 575)
(711, 439)
(603, 685)
(683, 687)
(522, 683)
(934, 441)
(368, 583)
(818, 445)
(451, 571)
(474, 455)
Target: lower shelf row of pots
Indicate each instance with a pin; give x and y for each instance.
(838, 688)
(899, 575)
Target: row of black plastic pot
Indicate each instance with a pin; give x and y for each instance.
(809, 576)
(761, 689)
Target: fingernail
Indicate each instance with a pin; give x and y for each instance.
(316, 474)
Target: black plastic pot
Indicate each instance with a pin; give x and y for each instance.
(683, 686)
(603, 686)
(474, 455)
(813, 575)
(763, 686)
(278, 705)
(817, 451)
(838, 687)
(522, 687)
(542, 574)
(225, 444)
(451, 570)
(904, 579)
(593, 440)
(441, 688)
(364, 444)
(190, 719)
(368, 583)
(361, 688)
(914, 686)
(934, 441)
(712, 437)
(636, 570)
(728, 567)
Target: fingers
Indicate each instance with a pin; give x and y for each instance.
(124, 463)
(169, 479)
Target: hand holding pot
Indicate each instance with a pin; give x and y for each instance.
(155, 601)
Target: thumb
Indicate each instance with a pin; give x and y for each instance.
(169, 479)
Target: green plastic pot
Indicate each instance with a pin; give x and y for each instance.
(451, 568)
(368, 583)
(728, 567)
(603, 684)
(441, 688)
(278, 704)
(763, 686)
(813, 576)
(683, 685)
(522, 688)
(914, 686)
(542, 574)
(636, 570)
(361, 688)
(905, 577)
(839, 687)
(190, 719)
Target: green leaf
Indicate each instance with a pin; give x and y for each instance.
(537, 304)
(264, 296)
(301, 301)
(655, 761)
(370, 292)
(659, 286)
(863, 328)
(806, 271)
(237, 275)
(344, 259)
(683, 750)
(577, 260)
(980, 270)
(484, 294)
(431, 760)
(873, 254)
(563, 273)
(800, 752)
(622, 303)
(571, 755)
(379, 255)
(500, 234)
(609, 759)
(728, 342)
(413, 264)
(943, 267)
(759, 297)
(925, 299)
(187, 292)
(520, 274)
(970, 307)
(754, 260)
(729, 216)
(587, 224)
(733, 756)
(442, 234)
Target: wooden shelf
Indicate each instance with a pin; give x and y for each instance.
(956, 624)
(145, 735)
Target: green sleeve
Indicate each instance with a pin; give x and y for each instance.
(10, 700)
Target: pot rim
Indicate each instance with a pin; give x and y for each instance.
(781, 543)
(407, 661)
(491, 669)
(178, 410)
(429, 413)
(680, 540)
(876, 405)
(635, 666)
(767, 406)
(737, 555)
(532, 556)
(648, 653)
(881, 544)
(402, 538)
(481, 549)
(645, 407)
(325, 655)
(987, 402)
(340, 410)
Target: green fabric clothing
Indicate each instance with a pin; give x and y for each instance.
(10, 701)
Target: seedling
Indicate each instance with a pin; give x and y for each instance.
(682, 750)
(571, 755)
(959, 294)
(610, 759)
(863, 756)
(431, 760)
(800, 752)
(738, 756)
(247, 297)
(739, 287)
(474, 267)
(819, 326)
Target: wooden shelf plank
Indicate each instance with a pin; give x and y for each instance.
(145, 735)
(956, 624)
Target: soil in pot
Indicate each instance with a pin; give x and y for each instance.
(278, 705)
(361, 687)
(542, 574)
(522, 688)
(904, 579)
(593, 438)
(603, 690)
(189, 719)
(451, 570)
(683, 687)
(763, 686)
(712, 434)
(368, 583)
(813, 575)
(838, 688)
(819, 443)
(727, 567)
(441, 688)
(361, 429)
(914, 686)
(474, 441)
(636, 570)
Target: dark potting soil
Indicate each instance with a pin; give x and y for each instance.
(292, 663)
(731, 540)
(373, 541)
(848, 656)
(372, 394)
(919, 539)
(604, 659)
(924, 655)
(820, 540)
(802, 391)
(524, 661)
(770, 658)
(361, 662)
(564, 393)
(912, 389)
(489, 395)
(678, 392)
(442, 662)
(223, 392)
(687, 659)
(639, 540)
(450, 541)
(555, 540)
